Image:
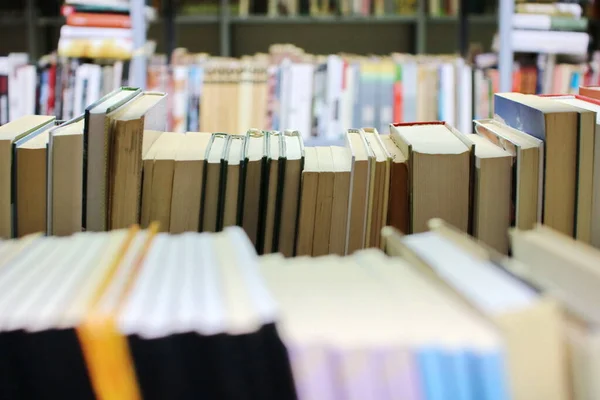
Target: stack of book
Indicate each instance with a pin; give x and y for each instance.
(552, 28)
(140, 314)
(96, 29)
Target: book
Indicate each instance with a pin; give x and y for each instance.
(515, 308)
(188, 182)
(379, 187)
(557, 125)
(102, 307)
(30, 196)
(9, 134)
(293, 151)
(323, 202)
(97, 146)
(99, 20)
(158, 178)
(274, 191)
(588, 182)
(398, 200)
(216, 163)
(379, 291)
(362, 160)
(568, 268)
(233, 195)
(440, 167)
(492, 195)
(134, 128)
(255, 154)
(342, 165)
(65, 178)
(307, 203)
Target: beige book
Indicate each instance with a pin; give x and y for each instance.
(135, 127)
(585, 168)
(255, 153)
(383, 304)
(439, 173)
(492, 196)
(162, 179)
(558, 125)
(342, 165)
(215, 160)
(246, 106)
(528, 167)
(294, 158)
(97, 142)
(148, 172)
(379, 188)
(188, 182)
(588, 214)
(10, 133)
(324, 202)
(31, 182)
(65, 179)
(362, 158)
(274, 162)
(308, 202)
(232, 205)
(206, 100)
(530, 323)
(567, 269)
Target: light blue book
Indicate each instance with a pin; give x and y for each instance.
(409, 91)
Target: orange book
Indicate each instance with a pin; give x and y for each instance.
(590, 91)
(99, 20)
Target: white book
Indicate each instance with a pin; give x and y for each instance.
(15, 60)
(335, 68)
(27, 78)
(465, 99)
(301, 99)
(550, 42)
(84, 32)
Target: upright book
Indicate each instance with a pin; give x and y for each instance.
(527, 170)
(65, 178)
(97, 141)
(558, 126)
(9, 134)
(439, 164)
(134, 128)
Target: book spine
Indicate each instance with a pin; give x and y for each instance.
(568, 24)
(51, 101)
(3, 99)
(99, 20)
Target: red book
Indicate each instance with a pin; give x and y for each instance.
(398, 103)
(592, 92)
(51, 89)
(99, 20)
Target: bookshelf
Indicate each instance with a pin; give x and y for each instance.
(422, 29)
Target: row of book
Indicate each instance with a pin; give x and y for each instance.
(116, 166)
(320, 96)
(139, 314)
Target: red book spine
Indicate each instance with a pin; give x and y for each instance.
(99, 20)
(51, 89)
(398, 100)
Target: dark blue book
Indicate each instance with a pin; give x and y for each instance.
(557, 125)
